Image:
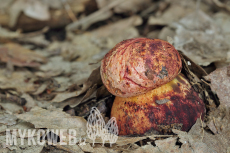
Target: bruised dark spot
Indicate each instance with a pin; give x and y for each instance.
(163, 73)
(149, 74)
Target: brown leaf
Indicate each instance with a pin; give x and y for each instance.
(36, 10)
(124, 30)
(132, 6)
(167, 145)
(220, 83)
(63, 96)
(215, 143)
(145, 149)
(5, 33)
(193, 143)
(199, 38)
(102, 92)
(99, 15)
(172, 14)
(53, 119)
(20, 56)
(7, 119)
(21, 80)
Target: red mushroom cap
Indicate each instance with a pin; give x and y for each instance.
(138, 65)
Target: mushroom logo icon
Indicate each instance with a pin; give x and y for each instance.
(96, 127)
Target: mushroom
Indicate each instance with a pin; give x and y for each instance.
(151, 93)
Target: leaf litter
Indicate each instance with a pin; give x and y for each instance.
(46, 83)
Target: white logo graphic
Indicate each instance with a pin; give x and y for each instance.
(96, 127)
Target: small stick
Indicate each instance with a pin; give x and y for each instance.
(205, 82)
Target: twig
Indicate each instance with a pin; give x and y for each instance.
(205, 82)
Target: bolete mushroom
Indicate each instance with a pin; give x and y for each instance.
(151, 93)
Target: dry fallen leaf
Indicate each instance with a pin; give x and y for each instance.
(85, 47)
(56, 66)
(201, 138)
(10, 107)
(86, 148)
(99, 15)
(32, 8)
(20, 80)
(126, 7)
(167, 145)
(54, 119)
(199, 38)
(222, 20)
(37, 10)
(20, 56)
(125, 29)
(60, 97)
(81, 71)
(173, 14)
(144, 149)
(192, 143)
(220, 83)
(4, 34)
(7, 119)
(38, 40)
(20, 147)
